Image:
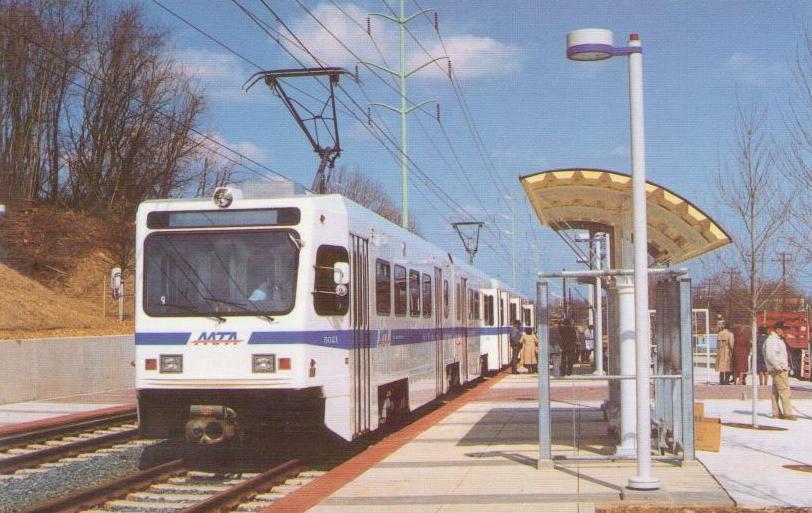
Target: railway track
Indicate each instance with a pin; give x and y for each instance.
(46, 445)
(172, 487)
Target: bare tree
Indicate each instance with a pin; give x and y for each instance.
(131, 138)
(749, 188)
(797, 155)
(368, 192)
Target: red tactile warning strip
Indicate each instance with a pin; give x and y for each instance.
(316, 491)
(64, 419)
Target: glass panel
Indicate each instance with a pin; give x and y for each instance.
(383, 287)
(427, 302)
(414, 293)
(325, 299)
(221, 218)
(220, 273)
(400, 290)
(445, 298)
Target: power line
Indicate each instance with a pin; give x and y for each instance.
(166, 116)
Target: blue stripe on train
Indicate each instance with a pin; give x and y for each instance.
(342, 339)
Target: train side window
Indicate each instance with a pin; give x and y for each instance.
(458, 302)
(427, 302)
(501, 311)
(477, 305)
(513, 314)
(400, 290)
(383, 287)
(414, 293)
(326, 300)
(489, 310)
(471, 314)
(445, 298)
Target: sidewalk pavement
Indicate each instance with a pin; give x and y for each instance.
(752, 464)
(38, 412)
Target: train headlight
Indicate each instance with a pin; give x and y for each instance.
(223, 197)
(171, 363)
(263, 363)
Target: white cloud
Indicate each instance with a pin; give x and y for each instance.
(220, 74)
(351, 32)
(751, 70)
(620, 151)
(247, 148)
(472, 56)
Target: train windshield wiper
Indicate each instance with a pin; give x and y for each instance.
(192, 309)
(241, 306)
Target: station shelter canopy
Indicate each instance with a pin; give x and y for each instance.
(598, 200)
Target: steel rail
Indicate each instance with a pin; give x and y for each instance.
(38, 434)
(56, 452)
(232, 497)
(98, 495)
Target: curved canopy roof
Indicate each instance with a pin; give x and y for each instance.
(598, 200)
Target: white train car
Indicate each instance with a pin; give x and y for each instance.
(294, 311)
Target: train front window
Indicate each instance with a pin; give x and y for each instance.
(220, 273)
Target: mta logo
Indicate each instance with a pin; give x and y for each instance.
(217, 337)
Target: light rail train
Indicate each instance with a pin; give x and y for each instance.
(286, 310)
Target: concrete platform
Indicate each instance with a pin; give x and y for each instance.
(27, 415)
(754, 466)
(482, 457)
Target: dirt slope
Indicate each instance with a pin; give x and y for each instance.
(29, 309)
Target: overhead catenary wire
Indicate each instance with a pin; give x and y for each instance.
(414, 166)
(463, 175)
(437, 190)
(421, 176)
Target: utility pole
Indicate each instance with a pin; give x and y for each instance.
(404, 110)
(784, 258)
(731, 274)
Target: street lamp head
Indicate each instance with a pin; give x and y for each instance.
(590, 44)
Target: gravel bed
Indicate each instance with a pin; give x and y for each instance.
(22, 492)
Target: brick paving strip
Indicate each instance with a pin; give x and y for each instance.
(314, 492)
(21, 427)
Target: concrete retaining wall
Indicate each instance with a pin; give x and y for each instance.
(36, 369)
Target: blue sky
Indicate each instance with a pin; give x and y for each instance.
(532, 108)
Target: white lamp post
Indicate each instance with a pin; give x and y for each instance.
(594, 45)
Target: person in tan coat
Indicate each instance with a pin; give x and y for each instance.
(724, 354)
(529, 352)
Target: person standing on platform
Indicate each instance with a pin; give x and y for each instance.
(530, 346)
(724, 354)
(741, 354)
(777, 360)
(515, 344)
(589, 343)
(761, 365)
(569, 347)
(555, 349)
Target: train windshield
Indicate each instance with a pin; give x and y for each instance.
(220, 273)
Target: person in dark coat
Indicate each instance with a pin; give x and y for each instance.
(569, 347)
(555, 349)
(741, 354)
(515, 344)
(761, 366)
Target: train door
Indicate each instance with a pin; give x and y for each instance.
(500, 333)
(361, 357)
(466, 311)
(439, 315)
